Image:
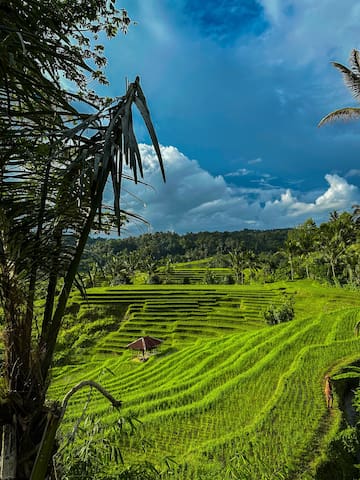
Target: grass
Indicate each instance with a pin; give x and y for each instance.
(226, 391)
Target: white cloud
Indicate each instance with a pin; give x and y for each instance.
(309, 30)
(340, 195)
(255, 161)
(241, 172)
(194, 200)
(354, 172)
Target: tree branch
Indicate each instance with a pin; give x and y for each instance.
(88, 383)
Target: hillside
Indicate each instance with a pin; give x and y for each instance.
(225, 393)
(191, 245)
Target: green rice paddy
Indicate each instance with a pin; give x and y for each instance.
(226, 396)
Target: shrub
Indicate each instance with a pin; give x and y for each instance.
(121, 279)
(154, 280)
(209, 277)
(280, 314)
(228, 280)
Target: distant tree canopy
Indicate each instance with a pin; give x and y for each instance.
(329, 252)
(191, 246)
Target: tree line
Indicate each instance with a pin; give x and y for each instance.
(326, 252)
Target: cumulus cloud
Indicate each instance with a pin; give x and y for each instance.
(193, 200)
(231, 104)
(262, 94)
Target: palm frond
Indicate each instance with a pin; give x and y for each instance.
(346, 114)
(354, 60)
(351, 79)
(140, 102)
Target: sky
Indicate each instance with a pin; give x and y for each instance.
(236, 90)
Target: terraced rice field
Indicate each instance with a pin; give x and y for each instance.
(225, 393)
(192, 272)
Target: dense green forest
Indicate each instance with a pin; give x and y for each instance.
(192, 246)
(328, 252)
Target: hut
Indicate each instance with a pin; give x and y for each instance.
(144, 344)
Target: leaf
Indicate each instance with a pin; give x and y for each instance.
(110, 371)
(342, 376)
(351, 79)
(346, 114)
(140, 102)
(355, 60)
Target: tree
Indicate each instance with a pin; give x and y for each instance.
(335, 237)
(238, 262)
(302, 242)
(55, 163)
(291, 249)
(351, 78)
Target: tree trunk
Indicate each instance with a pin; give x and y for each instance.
(333, 272)
(46, 448)
(291, 268)
(8, 453)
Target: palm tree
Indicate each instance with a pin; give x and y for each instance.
(237, 260)
(335, 237)
(306, 239)
(351, 78)
(291, 249)
(54, 164)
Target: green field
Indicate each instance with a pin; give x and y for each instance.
(226, 396)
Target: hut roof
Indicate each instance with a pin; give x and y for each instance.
(144, 343)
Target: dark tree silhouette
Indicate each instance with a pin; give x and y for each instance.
(55, 163)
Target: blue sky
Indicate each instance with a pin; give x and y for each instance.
(236, 90)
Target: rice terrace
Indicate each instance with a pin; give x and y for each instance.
(225, 396)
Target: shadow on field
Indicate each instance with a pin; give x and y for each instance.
(343, 453)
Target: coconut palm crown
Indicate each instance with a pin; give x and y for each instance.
(351, 78)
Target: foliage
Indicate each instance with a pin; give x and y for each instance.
(281, 313)
(209, 278)
(97, 453)
(351, 78)
(329, 252)
(241, 469)
(56, 160)
(192, 246)
(122, 278)
(154, 280)
(342, 454)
